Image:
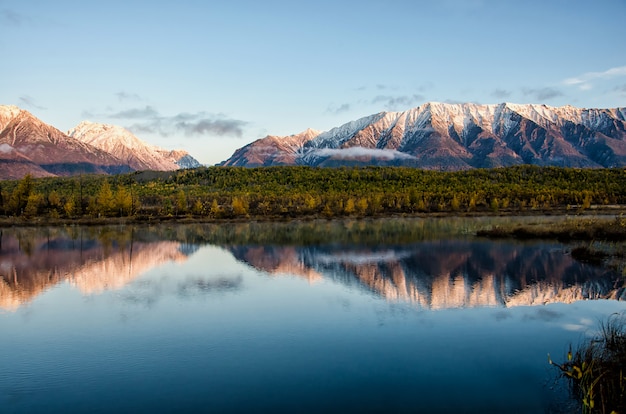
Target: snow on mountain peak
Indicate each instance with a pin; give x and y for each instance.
(336, 136)
(449, 136)
(9, 110)
(129, 148)
(8, 113)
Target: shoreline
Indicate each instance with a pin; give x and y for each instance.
(593, 211)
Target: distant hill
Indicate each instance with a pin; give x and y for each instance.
(441, 136)
(30, 146)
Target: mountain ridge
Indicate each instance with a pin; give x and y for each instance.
(120, 142)
(30, 146)
(444, 136)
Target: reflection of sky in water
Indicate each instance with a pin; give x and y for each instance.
(212, 333)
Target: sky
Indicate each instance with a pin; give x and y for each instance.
(212, 76)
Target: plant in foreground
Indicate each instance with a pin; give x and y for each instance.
(596, 370)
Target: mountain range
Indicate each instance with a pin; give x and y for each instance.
(435, 136)
(442, 136)
(30, 146)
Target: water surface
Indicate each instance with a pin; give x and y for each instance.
(382, 316)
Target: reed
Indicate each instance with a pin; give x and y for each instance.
(596, 370)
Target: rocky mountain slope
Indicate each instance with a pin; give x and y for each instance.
(272, 150)
(134, 152)
(30, 146)
(456, 137)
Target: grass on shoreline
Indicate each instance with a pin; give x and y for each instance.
(582, 228)
(596, 370)
(597, 241)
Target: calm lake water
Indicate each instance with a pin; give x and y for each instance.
(380, 316)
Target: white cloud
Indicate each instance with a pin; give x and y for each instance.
(356, 152)
(584, 81)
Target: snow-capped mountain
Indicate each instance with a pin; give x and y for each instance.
(30, 146)
(138, 154)
(460, 136)
(272, 150)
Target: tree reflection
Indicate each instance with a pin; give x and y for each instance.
(434, 263)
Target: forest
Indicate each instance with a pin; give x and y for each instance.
(267, 193)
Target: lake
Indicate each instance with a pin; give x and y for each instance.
(394, 315)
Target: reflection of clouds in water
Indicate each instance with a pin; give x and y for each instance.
(584, 325)
(574, 327)
(502, 315)
(199, 286)
(543, 314)
(362, 257)
(139, 298)
(148, 292)
(341, 301)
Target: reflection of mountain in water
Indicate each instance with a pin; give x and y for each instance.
(434, 274)
(277, 260)
(31, 264)
(448, 274)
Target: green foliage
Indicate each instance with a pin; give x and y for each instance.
(239, 206)
(33, 204)
(19, 196)
(69, 208)
(181, 202)
(123, 202)
(104, 201)
(289, 192)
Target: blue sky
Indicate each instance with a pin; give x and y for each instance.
(210, 77)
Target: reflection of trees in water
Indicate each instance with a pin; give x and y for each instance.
(427, 261)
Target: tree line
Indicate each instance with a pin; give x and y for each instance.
(290, 192)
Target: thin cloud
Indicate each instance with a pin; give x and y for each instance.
(29, 101)
(125, 96)
(87, 114)
(584, 81)
(148, 120)
(11, 17)
(339, 109)
(542, 94)
(501, 93)
(424, 87)
(395, 102)
(136, 113)
(621, 89)
(221, 127)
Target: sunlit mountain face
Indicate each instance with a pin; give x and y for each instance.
(444, 136)
(431, 274)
